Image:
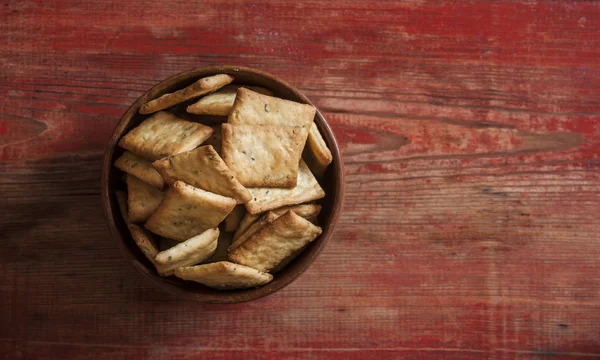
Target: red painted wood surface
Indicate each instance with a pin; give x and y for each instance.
(471, 137)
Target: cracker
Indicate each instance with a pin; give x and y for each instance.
(263, 155)
(164, 134)
(143, 199)
(316, 153)
(187, 211)
(308, 211)
(215, 139)
(224, 275)
(140, 168)
(253, 108)
(198, 88)
(144, 240)
(203, 168)
(232, 221)
(307, 189)
(190, 252)
(263, 221)
(221, 101)
(122, 202)
(275, 242)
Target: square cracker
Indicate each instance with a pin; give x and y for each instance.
(232, 221)
(221, 101)
(307, 189)
(142, 199)
(253, 108)
(143, 239)
(224, 275)
(190, 252)
(203, 168)
(263, 221)
(140, 168)
(198, 88)
(308, 211)
(275, 242)
(164, 134)
(316, 153)
(187, 211)
(263, 155)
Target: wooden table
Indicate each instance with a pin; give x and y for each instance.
(471, 138)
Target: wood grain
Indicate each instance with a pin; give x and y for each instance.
(471, 137)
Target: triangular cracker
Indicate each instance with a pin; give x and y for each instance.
(144, 240)
(140, 168)
(221, 101)
(263, 221)
(190, 252)
(232, 221)
(164, 134)
(307, 189)
(203, 168)
(142, 199)
(262, 155)
(187, 211)
(316, 153)
(253, 108)
(224, 275)
(198, 88)
(272, 244)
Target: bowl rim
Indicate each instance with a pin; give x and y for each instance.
(109, 205)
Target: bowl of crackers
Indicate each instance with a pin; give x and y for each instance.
(222, 184)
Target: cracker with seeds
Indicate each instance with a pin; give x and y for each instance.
(140, 168)
(164, 134)
(224, 275)
(263, 155)
(307, 189)
(232, 221)
(203, 168)
(187, 211)
(198, 88)
(275, 242)
(142, 199)
(221, 101)
(263, 221)
(253, 108)
(190, 252)
(316, 153)
(144, 240)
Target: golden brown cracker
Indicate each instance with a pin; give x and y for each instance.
(187, 211)
(164, 134)
(140, 168)
(262, 155)
(203, 168)
(274, 243)
(142, 199)
(224, 275)
(221, 101)
(307, 189)
(198, 88)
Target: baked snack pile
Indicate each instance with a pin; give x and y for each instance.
(227, 204)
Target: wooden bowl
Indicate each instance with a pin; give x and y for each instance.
(332, 183)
